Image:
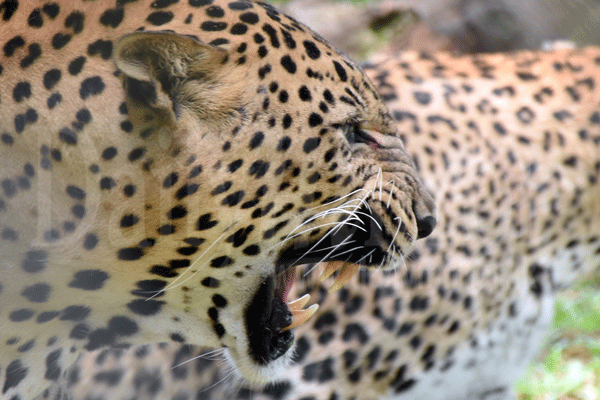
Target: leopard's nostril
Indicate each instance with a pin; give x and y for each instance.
(425, 226)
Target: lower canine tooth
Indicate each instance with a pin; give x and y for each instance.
(346, 273)
(297, 304)
(301, 316)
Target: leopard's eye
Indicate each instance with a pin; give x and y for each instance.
(354, 134)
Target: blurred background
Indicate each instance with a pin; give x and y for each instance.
(465, 26)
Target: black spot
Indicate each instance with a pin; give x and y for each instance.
(112, 17)
(107, 183)
(84, 116)
(37, 293)
(176, 337)
(75, 192)
(99, 338)
(204, 222)
(239, 5)
(75, 21)
(52, 366)
(35, 19)
(257, 140)
(215, 12)
(340, 71)
(91, 87)
(35, 261)
(311, 49)
(12, 45)
(310, 144)
(9, 187)
(76, 65)
(109, 378)
(314, 120)
(288, 64)
(35, 51)
(251, 250)
(78, 211)
(75, 313)
(163, 271)
(89, 279)
(212, 26)
(258, 169)
(423, 98)
(177, 212)
(355, 331)
(15, 371)
(240, 236)
(195, 171)
(22, 90)
(9, 234)
(233, 199)
(239, 29)
(166, 229)
(249, 18)
(199, 3)
(68, 136)
(109, 153)
(221, 262)
(60, 40)
(7, 139)
(90, 241)
(187, 190)
(163, 3)
(130, 253)
(136, 154)
(149, 288)
(321, 371)
(235, 165)
(160, 17)
(145, 307)
(304, 93)
(170, 180)
(102, 47)
(53, 100)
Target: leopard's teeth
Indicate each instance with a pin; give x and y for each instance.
(346, 273)
(330, 268)
(301, 316)
(297, 304)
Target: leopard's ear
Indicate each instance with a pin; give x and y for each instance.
(167, 72)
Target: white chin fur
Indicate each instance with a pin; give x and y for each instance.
(255, 375)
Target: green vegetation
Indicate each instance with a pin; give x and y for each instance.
(571, 366)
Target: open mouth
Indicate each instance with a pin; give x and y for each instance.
(270, 316)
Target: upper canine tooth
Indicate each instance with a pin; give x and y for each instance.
(297, 304)
(330, 268)
(346, 273)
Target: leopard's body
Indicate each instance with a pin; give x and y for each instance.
(510, 146)
(164, 165)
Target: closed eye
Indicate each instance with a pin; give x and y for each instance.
(354, 134)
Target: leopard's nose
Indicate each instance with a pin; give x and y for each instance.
(425, 226)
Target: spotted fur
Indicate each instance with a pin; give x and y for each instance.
(161, 162)
(510, 145)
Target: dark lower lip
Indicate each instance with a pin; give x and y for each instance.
(266, 316)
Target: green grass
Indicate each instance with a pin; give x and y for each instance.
(570, 367)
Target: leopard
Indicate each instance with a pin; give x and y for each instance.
(509, 144)
(164, 167)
